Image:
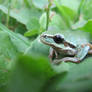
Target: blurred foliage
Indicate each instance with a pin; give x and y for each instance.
(24, 64)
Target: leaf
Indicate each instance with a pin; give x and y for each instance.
(56, 21)
(79, 24)
(38, 47)
(69, 12)
(31, 33)
(87, 27)
(21, 29)
(40, 3)
(84, 25)
(32, 71)
(30, 74)
(72, 4)
(33, 26)
(18, 40)
(78, 79)
(8, 53)
(86, 10)
(43, 20)
(64, 15)
(21, 15)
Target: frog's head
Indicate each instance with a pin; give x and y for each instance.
(55, 41)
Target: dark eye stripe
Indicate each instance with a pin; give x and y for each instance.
(58, 39)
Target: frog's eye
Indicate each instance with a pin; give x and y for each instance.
(58, 39)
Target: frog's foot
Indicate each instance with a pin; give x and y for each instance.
(90, 52)
(90, 45)
(66, 59)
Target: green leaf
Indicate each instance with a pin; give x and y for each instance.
(86, 10)
(43, 20)
(40, 3)
(78, 79)
(64, 15)
(38, 47)
(84, 25)
(55, 21)
(87, 27)
(18, 40)
(30, 74)
(33, 71)
(33, 26)
(21, 15)
(79, 24)
(72, 4)
(8, 53)
(31, 33)
(69, 12)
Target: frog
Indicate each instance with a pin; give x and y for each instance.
(73, 46)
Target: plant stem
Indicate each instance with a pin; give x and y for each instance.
(48, 14)
(8, 15)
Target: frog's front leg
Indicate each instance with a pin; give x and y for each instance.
(52, 54)
(81, 53)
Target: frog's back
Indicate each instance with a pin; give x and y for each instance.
(77, 37)
(74, 37)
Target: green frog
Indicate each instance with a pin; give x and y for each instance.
(73, 45)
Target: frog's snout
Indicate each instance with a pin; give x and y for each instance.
(44, 36)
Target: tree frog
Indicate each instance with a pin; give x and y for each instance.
(73, 45)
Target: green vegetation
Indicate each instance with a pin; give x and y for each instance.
(24, 62)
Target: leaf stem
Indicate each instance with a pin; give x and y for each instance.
(8, 15)
(48, 13)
